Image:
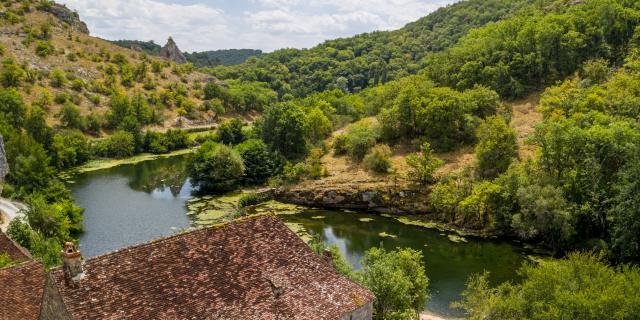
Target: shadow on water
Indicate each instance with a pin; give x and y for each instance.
(136, 203)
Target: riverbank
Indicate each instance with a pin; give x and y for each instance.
(101, 164)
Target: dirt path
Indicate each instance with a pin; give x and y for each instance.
(524, 120)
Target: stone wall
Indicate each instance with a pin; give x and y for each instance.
(53, 307)
(4, 166)
(363, 313)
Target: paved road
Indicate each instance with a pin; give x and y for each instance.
(8, 211)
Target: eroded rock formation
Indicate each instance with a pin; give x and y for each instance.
(4, 166)
(65, 14)
(171, 52)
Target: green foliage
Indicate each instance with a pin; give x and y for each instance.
(319, 125)
(226, 57)
(12, 107)
(497, 147)
(156, 142)
(423, 165)
(378, 159)
(216, 167)
(352, 64)
(284, 128)
(44, 48)
(230, 132)
(70, 117)
(120, 144)
(58, 78)
(581, 286)
(360, 138)
(12, 74)
(70, 148)
(625, 214)
(249, 199)
(259, 163)
(541, 45)
(398, 280)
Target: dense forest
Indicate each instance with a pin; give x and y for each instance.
(438, 85)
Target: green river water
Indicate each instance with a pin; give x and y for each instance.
(135, 203)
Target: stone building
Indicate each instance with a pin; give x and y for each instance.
(253, 268)
(21, 285)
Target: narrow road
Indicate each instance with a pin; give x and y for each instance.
(9, 210)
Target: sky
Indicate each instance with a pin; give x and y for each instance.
(201, 25)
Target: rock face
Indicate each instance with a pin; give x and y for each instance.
(4, 166)
(171, 52)
(63, 13)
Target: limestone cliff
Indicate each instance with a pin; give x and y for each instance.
(171, 52)
(63, 13)
(4, 166)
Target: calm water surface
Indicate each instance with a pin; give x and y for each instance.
(136, 203)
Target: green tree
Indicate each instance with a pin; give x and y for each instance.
(284, 128)
(378, 159)
(12, 75)
(398, 280)
(12, 107)
(216, 167)
(70, 117)
(70, 148)
(230, 132)
(423, 165)
(625, 214)
(581, 286)
(259, 163)
(497, 147)
(121, 144)
(319, 125)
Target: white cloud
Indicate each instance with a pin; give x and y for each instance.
(149, 19)
(258, 24)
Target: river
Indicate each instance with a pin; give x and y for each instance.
(135, 203)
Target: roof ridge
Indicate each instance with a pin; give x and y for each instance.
(177, 235)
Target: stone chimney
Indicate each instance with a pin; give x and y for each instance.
(72, 262)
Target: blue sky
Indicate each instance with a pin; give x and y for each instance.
(199, 25)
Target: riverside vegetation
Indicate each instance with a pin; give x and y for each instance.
(437, 85)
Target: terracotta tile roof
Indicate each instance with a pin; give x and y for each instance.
(233, 271)
(21, 289)
(14, 250)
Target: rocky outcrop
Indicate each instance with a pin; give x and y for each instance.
(171, 52)
(4, 166)
(383, 201)
(65, 14)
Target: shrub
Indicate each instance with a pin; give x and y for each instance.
(69, 149)
(378, 159)
(423, 165)
(340, 145)
(248, 199)
(44, 48)
(361, 137)
(397, 279)
(216, 167)
(121, 144)
(58, 78)
(12, 74)
(230, 132)
(259, 163)
(497, 147)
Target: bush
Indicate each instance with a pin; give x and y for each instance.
(340, 145)
(581, 286)
(44, 48)
(69, 149)
(248, 199)
(361, 137)
(259, 163)
(121, 144)
(397, 279)
(230, 132)
(423, 165)
(216, 167)
(497, 147)
(378, 159)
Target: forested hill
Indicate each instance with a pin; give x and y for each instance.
(371, 58)
(226, 57)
